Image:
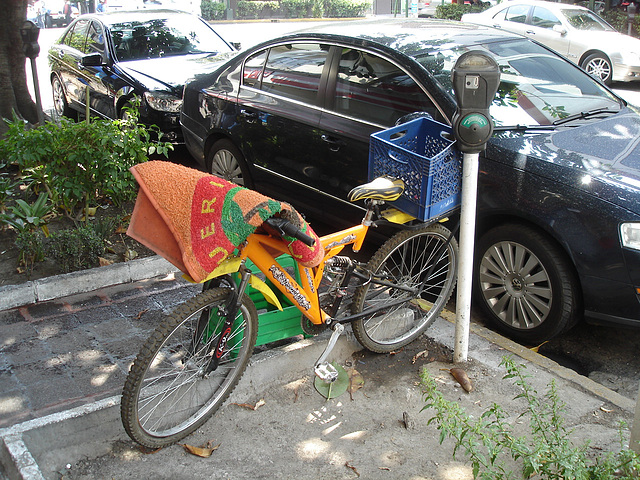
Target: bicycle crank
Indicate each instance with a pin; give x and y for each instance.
(323, 369)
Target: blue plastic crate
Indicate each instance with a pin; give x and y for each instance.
(421, 153)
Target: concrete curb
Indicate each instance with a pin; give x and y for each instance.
(50, 288)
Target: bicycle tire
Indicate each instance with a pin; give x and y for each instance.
(166, 396)
(405, 259)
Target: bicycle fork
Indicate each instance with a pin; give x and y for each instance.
(229, 310)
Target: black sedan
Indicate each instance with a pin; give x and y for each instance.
(558, 233)
(119, 55)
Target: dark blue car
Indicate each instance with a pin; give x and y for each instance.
(558, 232)
(149, 54)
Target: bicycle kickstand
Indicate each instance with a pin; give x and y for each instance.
(323, 369)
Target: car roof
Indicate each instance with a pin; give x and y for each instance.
(409, 36)
(120, 16)
(542, 3)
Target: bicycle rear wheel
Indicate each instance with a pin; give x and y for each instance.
(167, 394)
(405, 260)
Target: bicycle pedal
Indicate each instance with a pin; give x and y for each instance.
(326, 372)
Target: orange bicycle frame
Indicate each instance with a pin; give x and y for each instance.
(304, 295)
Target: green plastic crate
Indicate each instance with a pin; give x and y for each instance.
(274, 324)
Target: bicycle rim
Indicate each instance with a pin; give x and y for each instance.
(406, 259)
(167, 394)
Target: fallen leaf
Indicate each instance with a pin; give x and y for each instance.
(104, 262)
(204, 451)
(423, 353)
(130, 254)
(346, 464)
(422, 304)
(121, 229)
(248, 406)
(463, 379)
(535, 349)
(606, 410)
(356, 381)
(140, 313)
(407, 422)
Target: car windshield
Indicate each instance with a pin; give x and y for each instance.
(160, 37)
(581, 20)
(537, 87)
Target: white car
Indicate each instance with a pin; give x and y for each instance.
(574, 32)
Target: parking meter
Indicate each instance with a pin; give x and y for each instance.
(29, 33)
(475, 79)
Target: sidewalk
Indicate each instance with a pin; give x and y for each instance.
(63, 363)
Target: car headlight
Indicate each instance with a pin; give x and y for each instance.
(630, 234)
(163, 101)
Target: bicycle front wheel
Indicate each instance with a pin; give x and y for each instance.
(169, 391)
(406, 260)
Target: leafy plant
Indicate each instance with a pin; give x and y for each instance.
(454, 11)
(30, 249)
(26, 217)
(547, 453)
(213, 10)
(346, 8)
(75, 249)
(81, 162)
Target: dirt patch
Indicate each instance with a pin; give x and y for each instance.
(118, 246)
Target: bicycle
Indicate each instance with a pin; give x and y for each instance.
(195, 358)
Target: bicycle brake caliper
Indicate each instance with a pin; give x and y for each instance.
(323, 369)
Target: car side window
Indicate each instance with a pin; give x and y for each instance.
(294, 71)
(76, 38)
(253, 67)
(377, 91)
(95, 39)
(517, 14)
(543, 18)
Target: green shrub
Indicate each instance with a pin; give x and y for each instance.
(80, 162)
(213, 10)
(249, 9)
(30, 249)
(347, 8)
(25, 217)
(75, 249)
(454, 11)
(296, 8)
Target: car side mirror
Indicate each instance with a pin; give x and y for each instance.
(91, 60)
(560, 29)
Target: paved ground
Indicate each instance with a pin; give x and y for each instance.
(63, 362)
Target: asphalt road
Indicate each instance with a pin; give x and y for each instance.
(608, 355)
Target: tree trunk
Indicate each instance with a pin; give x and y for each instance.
(14, 93)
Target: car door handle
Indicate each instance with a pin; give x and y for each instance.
(530, 32)
(251, 117)
(334, 143)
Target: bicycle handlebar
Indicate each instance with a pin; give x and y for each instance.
(285, 227)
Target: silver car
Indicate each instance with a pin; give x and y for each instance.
(573, 31)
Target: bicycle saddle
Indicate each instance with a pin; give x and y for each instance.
(382, 188)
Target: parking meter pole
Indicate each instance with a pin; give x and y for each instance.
(465, 265)
(29, 33)
(36, 87)
(634, 442)
(475, 78)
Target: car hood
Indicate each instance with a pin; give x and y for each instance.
(601, 157)
(171, 73)
(606, 40)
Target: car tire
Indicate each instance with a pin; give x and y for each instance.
(226, 161)
(524, 284)
(60, 103)
(599, 66)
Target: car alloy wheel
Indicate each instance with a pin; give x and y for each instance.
(524, 284)
(598, 66)
(60, 104)
(226, 161)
